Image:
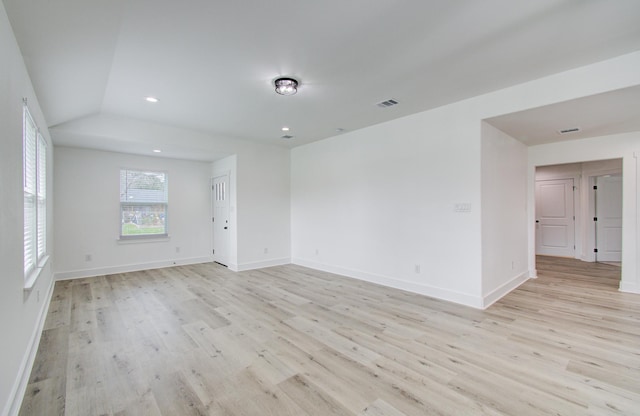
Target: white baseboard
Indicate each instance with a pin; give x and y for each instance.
(78, 274)
(422, 289)
(16, 396)
(504, 289)
(629, 287)
(260, 264)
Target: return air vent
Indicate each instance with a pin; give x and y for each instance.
(287, 136)
(571, 130)
(387, 103)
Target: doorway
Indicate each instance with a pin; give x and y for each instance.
(220, 218)
(555, 218)
(601, 208)
(607, 208)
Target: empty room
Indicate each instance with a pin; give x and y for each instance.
(363, 208)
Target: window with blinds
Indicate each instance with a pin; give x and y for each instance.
(144, 198)
(41, 198)
(35, 195)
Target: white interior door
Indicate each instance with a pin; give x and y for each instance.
(220, 203)
(555, 218)
(609, 218)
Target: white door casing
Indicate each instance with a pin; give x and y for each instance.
(555, 218)
(220, 218)
(609, 218)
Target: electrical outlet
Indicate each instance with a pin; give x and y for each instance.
(417, 268)
(266, 250)
(317, 252)
(177, 249)
(88, 257)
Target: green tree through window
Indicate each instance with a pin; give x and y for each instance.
(143, 203)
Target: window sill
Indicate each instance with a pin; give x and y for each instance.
(143, 239)
(30, 281)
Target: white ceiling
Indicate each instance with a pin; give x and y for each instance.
(596, 115)
(212, 62)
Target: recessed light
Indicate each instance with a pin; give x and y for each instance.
(285, 129)
(157, 151)
(152, 99)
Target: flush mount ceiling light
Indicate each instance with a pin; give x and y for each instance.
(286, 86)
(151, 99)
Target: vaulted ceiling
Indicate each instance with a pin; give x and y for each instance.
(212, 63)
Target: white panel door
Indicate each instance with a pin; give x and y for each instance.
(220, 203)
(555, 221)
(609, 215)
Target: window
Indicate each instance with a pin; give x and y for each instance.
(41, 198)
(143, 203)
(35, 195)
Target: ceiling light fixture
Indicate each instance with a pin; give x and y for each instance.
(157, 151)
(286, 86)
(152, 99)
(285, 129)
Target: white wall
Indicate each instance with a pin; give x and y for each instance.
(377, 202)
(260, 184)
(264, 206)
(259, 211)
(624, 146)
(374, 203)
(259, 207)
(87, 220)
(504, 214)
(21, 311)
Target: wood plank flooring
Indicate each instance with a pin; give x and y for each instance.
(201, 340)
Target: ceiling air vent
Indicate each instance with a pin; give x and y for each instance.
(287, 136)
(388, 103)
(571, 130)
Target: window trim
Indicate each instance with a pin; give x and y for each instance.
(34, 177)
(41, 198)
(144, 237)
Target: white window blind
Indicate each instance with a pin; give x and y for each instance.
(144, 198)
(41, 195)
(35, 194)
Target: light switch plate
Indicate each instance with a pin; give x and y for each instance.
(462, 207)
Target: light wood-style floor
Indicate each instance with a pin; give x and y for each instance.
(200, 340)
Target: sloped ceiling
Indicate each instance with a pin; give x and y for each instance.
(212, 62)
